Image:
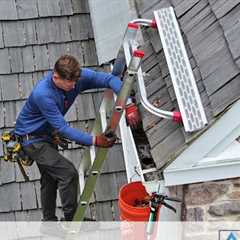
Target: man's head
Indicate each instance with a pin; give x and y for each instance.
(66, 72)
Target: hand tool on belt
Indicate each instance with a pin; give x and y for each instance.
(13, 152)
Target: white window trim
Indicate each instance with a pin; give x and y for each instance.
(206, 159)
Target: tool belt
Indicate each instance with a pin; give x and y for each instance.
(55, 138)
(13, 150)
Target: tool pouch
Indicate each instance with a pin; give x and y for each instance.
(12, 149)
(60, 141)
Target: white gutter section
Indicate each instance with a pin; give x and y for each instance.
(131, 159)
(213, 156)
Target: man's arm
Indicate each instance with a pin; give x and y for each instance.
(50, 111)
(91, 79)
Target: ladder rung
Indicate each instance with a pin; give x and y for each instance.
(184, 84)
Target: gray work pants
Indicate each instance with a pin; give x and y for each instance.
(56, 172)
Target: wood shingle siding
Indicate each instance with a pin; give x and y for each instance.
(33, 35)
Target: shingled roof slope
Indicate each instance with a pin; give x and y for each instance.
(210, 32)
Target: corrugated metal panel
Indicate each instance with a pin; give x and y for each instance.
(109, 19)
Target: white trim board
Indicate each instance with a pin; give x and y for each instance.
(212, 156)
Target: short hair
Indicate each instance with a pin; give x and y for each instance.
(68, 68)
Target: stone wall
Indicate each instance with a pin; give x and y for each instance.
(212, 201)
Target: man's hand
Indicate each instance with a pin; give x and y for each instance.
(132, 115)
(104, 141)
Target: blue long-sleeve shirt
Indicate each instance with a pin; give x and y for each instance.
(45, 108)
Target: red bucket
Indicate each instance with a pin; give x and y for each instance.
(128, 195)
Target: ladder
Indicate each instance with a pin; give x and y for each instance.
(191, 109)
(97, 156)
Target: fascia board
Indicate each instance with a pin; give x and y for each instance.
(197, 164)
(201, 173)
(218, 137)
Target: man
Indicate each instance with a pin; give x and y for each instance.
(43, 115)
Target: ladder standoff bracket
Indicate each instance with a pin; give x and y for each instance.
(133, 25)
(135, 62)
(177, 117)
(153, 24)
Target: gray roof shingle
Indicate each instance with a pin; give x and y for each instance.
(7, 172)
(108, 186)
(27, 9)
(89, 53)
(81, 27)
(222, 7)
(49, 8)
(81, 102)
(4, 61)
(26, 216)
(1, 36)
(28, 61)
(66, 7)
(28, 196)
(10, 197)
(8, 10)
(104, 211)
(30, 34)
(41, 61)
(25, 84)
(13, 33)
(9, 86)
(16, 61)
(114, 161)
(80, 6)
(10, 114)
(61, 30)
